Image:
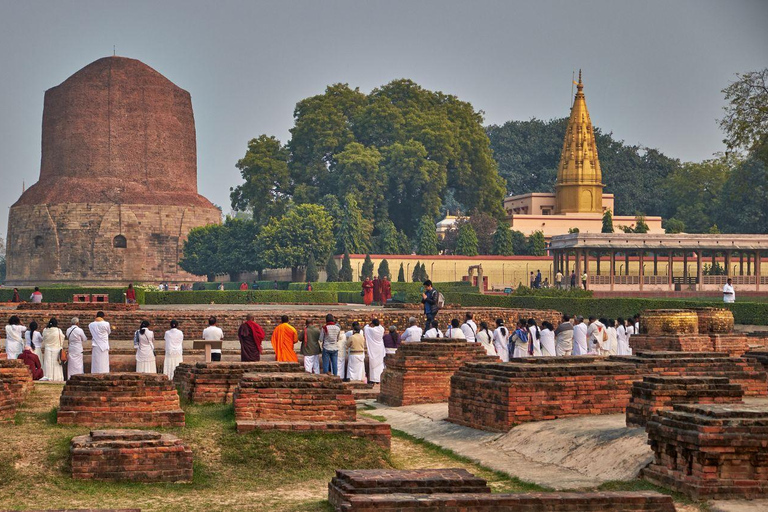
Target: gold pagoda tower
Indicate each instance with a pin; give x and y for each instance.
(579, 187)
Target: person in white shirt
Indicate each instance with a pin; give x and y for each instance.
(34, 339)
(213, 333)
(580, 337)
(100, 331)
(501, 340)
(75, 340)
(729, 294)
(469, 328)
(613, 337)
(597, 336)
(53, 341)
(174, 343)
(412, 333)
(434, 332)
(637, 324)
(144, 343)
(534, 336)
(455, 331)
(622, 338)
(14, 337)
(374, 339)
(548, 340)
(485, 338)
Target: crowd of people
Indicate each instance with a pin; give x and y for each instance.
(376, 290)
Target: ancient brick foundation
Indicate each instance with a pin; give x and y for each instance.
(671, 343)
(498, 396)
(420, 373)
(215, 383)
(7, 400)
(459, 490)
(121, 400)
(714, 320)
(663, 322)
(302, 402)
(694, 330)
(710, 451)
(656, 393)
(18, 378)
(735, 345)
(130, 455)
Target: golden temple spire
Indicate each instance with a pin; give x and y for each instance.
(579, 187)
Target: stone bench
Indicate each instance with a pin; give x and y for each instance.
(710, 451)
(302, 402)
(130, 455)
(420, 372)
(215, 382)
(120, 399)
(18, 378)
(656, 393)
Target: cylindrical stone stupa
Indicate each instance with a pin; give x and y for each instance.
(117, 193)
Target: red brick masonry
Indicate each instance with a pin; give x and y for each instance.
(671, 342)
(420, 372)
(7, 400)
(121, 400)
(215, 383)
(302, 402)
(131, 455)
(19, 379)
(656, 394)
(710, 451)
(91, 307)
(458, 490)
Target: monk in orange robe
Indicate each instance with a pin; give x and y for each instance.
(284, 337)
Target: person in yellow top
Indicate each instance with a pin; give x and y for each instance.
(283, 338)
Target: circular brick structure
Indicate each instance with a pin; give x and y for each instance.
(666, 322)
(117, 192)
(714, 320)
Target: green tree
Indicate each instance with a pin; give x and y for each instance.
(426, 237)
(401, 274)
(353, 234)
(745, 199)
(573, 231)
(416, 274)
(640, 225)
(502, 240)
(331, 270)
(390, 240)
(266, 188)
(313, 275)
(201, 251)
(519, 243)
(345, 274)
(674, 226)
(466, 244)
(484, 226)
(357, 173)
(536, 244)
(235, 248)
(384, 269)
(607, 222)
(424, 275)
(367, 270)
(288, 241)
(693, 192)
(746, 116)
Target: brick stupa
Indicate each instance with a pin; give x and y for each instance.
(117, 192)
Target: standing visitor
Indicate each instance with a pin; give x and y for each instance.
(100, 331)
(33, 363)
(374, 338)
(564, 337)
(213, 333)
(243, 286)
(274, 285)
(75, 340)
(309, 286)
(469, 328)
(37, 296)
(367, 291)
(386, 290)
(613, 337)
(584, 280)
(430, 300)
(454, 331)
(174, 344)
(221, 287)
(284, 337)
(34, 340)
(343, 356)
(559, 280)
(377, 290)
(16, 296)
(144, 343)
(391, 340)
(637, 324)
(434, 331)
(534, 338)
(413, 332)
(548, 340)
(532, 281)
(250, 335)
(501, 340)
(729, 294)
(14, 340)
(53, 341)
(622, 338)
(130, 294)
(573, 279)
(485, 338)
(580, 337)
(597, 336)
(357, 350)
(310, 347)
(537, 281)
(329, 338)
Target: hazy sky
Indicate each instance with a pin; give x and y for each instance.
(653, 70)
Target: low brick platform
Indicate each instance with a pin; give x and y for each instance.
(215, 383)
(657, 393)
(120, 399)
(19, 379)
(735, 345)
(420, 372)
(498, 396)
(130, 455)
(671, 343)
(760, 356)
(710, 451)
(302, 402)
(8, 401)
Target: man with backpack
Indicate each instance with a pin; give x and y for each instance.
(433, 301)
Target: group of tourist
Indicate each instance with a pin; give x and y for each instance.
(376, 290)
(562, 281)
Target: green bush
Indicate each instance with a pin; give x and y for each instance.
(551, 292)
(352, 286)
(242, 297)
(64, 294)
(263, 285)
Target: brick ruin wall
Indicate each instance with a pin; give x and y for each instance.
(17, 377)
(120, 400)
(420, 373)
(661, 393)
(7, 400)
(130, 455)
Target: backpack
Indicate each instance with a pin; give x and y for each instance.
(440, 300)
